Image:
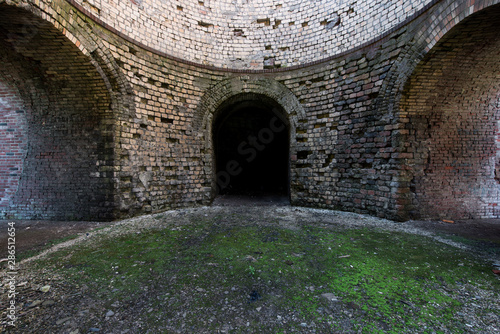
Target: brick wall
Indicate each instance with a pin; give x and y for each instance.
(13, 146)
(451, 110)
(341, 152)
(497, 160)
(128, 128)
(58, 143)
(346, 147)
(252, 34)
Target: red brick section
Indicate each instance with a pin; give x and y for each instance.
(451, 109)
(57, 120)
(497, 161)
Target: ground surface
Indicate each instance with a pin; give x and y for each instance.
(35, 235)
(70, 308)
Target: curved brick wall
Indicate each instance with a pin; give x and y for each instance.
(56, 119)
(252, 34)
(148, 117)
(452, 114)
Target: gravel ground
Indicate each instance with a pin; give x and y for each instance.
(64, 310)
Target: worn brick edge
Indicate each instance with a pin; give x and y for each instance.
(230, 70)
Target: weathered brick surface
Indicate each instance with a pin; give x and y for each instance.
(13, 131)
(144, 120)
(252, 34)
(56, 141)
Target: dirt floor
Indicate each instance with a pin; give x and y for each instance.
(69, 309)
(35, 235)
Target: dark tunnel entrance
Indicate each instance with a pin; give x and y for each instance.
(251, 151)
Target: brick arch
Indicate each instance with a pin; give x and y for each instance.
(71, 94)
(234, 90)
(231, 88)
(62, 16)
(450, 110)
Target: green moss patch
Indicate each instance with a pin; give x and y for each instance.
(211, 277)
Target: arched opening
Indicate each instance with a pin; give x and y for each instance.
(56, 148)
(251, 147)
(451, 106)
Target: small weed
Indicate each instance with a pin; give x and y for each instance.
(251, 270)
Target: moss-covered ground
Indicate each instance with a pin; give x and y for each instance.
(209, 277)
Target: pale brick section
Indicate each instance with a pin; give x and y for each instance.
(253, 34)
(13, 146)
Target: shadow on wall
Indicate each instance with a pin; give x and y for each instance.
(55, 114)
(452, 111)
(251, 151)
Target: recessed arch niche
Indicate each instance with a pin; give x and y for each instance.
(251, 147)
(236, 94)
(57, 159)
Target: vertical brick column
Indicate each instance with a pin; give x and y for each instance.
(497, 160)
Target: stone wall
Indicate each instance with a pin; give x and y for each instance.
(356, 118)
